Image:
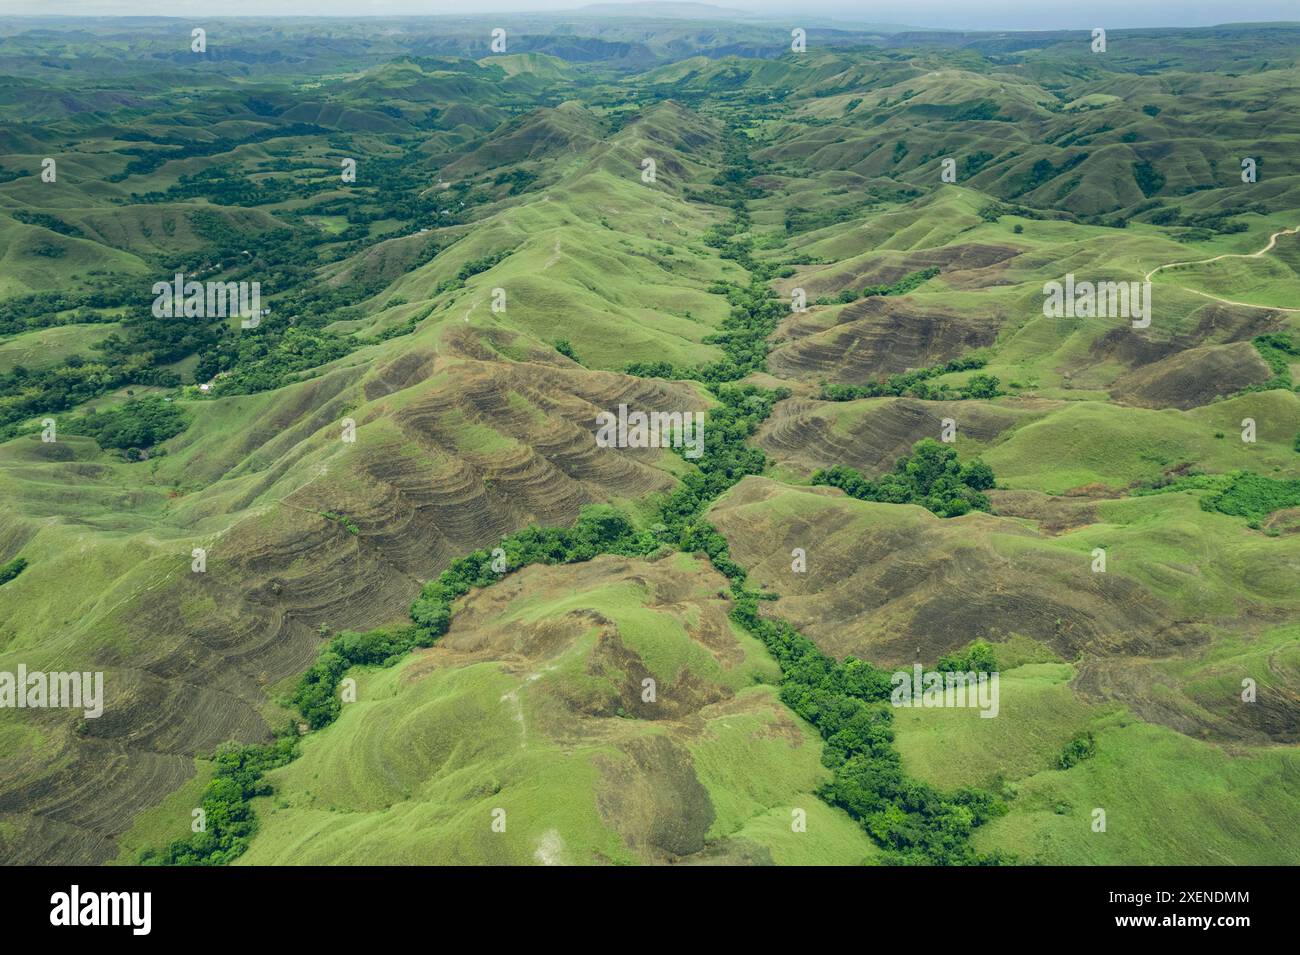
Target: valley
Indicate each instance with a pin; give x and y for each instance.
(364, 586)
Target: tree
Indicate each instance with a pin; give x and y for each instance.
(983, 386)
(978, 475)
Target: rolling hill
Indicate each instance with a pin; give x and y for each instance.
(649, 211)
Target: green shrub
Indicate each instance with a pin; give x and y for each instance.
(977, 658)
(1253, 496)
(12, 569)
(1083, 746)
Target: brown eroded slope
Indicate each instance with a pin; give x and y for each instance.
(875, 337)
(804, 434)
(1179, 616)
(1193, 377)
(455, 446)
(885, 581)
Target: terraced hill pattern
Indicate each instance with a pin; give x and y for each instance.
(994, 340)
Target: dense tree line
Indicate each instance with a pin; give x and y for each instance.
(26, 393)
(915, 384)
(228, 818)
(848, 703)
(136, 424)
(184, 146)
(47, 309)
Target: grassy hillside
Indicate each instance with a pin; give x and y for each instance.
(675, 216)
(534, 704)
(1079, 652)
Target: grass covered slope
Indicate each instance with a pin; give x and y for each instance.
(1168, 799)
(442, 463)
(535, 703)
(1161, 700)
(499, 274)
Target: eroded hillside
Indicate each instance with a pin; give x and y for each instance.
(535, 238)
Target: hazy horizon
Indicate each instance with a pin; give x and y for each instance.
(930, 14)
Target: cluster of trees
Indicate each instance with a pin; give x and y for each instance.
(755, 309)
(727, 457)
(228, 818)
(135, 425)
(799, 220)
(189, 147)
(229, 186)
(1206, 223)
(387, 189)
(1082, 746)
(972, 163)
(519, 180)
(930, 476)
(470, 269)
(733, 187)
(1252, 496)
(290, 340)
(260, 360)
(977, 658)
(994, 211)
(904, 285)
(1043, 171)
(742, 336)
(347, 523)
(396, 331)
(316, 695)
(25, 392)
(915, 384)
(48, 309)
(1148, 178)
(45, 221)
(131, 357)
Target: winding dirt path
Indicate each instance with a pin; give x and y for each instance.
(1272, 241)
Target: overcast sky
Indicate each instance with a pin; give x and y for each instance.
(959, 14)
